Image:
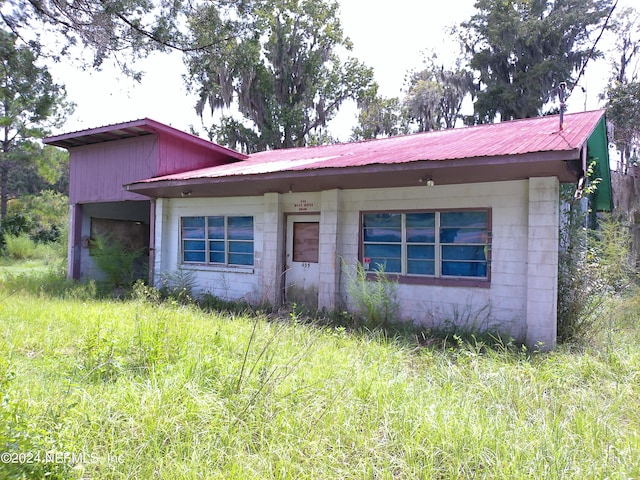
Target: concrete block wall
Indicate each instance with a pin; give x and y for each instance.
(272, 238)
(542, 262)
(230, 282)
(504, 302)
(520, 299)
(328, 254)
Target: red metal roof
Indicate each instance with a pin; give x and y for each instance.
(506, 139)
(131, 129)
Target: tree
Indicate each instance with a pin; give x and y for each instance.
(623, 111)
(105, 28)
(40, 168)
(281, 69)
(521, 50)
(623, 91)
(626, 27)
(423, 101)
(435, 95)
(30, 102)
(379, 117)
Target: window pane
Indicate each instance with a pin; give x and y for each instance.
(382, 235)
(421, 235)
(463, 219)
(193, 222)
(240, 247)
(197, 233)
(464, 252)
(194, 245)
(194, 256)
(420, 252)
(385, 220)
(420, 267)
(240, 228)
(389, 265)
(463, 235)
(382, 227)
(464, 269)
(421, 220)
(215, 229)
(216, 246)
(384, 256)
(216, 257)
(421, 227)
(382, 250)
(240, 259)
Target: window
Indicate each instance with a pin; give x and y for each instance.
(445, 244)
(217, 240)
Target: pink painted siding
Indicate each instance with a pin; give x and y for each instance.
(97, 172)
(177, 155)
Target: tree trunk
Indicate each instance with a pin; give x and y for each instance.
(4, 180)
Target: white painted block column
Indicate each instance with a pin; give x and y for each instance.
(272, 248)
(542, 262)
(159, 241)
(328, 249)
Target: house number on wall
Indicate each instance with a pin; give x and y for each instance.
(306, 265)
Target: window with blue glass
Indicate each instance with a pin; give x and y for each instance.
(220, 240)
(430, 244)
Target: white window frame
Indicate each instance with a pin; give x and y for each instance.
(226, 240)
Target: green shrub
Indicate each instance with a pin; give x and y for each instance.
(16, 224)
(116, 261)
(20, 247)
(42, 216)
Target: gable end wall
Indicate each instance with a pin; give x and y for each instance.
(97, 172)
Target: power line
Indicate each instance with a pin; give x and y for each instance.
(593, 48)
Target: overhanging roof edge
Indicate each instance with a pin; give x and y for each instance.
(419, 165)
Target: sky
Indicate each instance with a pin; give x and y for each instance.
(390, 40)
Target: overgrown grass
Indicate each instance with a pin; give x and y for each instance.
(22, 247)
(140, 389)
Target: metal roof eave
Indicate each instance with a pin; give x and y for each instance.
(132, 129)
(563, 164)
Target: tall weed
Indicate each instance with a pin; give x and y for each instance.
(374, 298)
(593, 265)
(23, 442)
(178, 284)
